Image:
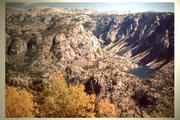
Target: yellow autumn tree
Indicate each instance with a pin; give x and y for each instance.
(18, 103)
(106, 109)
(61, 100)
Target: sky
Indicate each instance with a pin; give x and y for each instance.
(157, 6)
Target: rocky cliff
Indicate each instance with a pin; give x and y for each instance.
(146, 38)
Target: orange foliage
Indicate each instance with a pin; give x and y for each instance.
(18, 103)
(106, 109)
(61, 100)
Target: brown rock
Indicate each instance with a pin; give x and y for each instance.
(131, 112)
(145, 114)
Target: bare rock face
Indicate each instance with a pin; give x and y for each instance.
(61, 48)
(143, 37)
(74, 44)
(17, 47)
(101, 65)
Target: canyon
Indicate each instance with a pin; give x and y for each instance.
(126, 58)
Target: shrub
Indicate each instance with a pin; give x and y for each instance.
(106, 109)
(18, 103)
(61, 100)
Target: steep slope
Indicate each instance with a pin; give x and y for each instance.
(146, 38)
